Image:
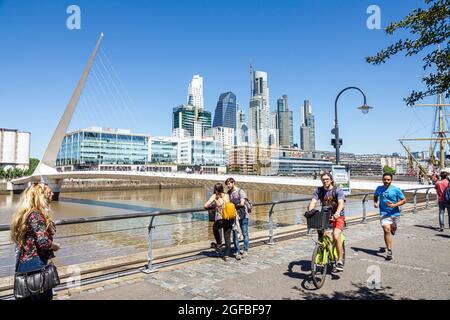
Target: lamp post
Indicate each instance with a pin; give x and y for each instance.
(364, 109)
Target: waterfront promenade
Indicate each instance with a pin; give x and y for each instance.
(419, 270)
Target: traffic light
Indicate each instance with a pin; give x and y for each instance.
(333, 142)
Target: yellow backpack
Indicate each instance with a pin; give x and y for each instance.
(229, 211)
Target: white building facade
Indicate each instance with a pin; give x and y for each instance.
(195, 92)
(14, 149)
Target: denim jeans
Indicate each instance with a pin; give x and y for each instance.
(35, 263)
(442, 208)
(243, 223)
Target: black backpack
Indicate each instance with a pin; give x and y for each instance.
(323, 192)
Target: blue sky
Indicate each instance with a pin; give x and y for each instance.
(310, 49)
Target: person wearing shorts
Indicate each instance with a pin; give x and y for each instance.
(441, 187)
(333, 198)
(388, 198)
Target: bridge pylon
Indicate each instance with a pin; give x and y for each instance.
(46, 166)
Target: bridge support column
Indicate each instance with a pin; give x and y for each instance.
(55, 185)
(16, 188)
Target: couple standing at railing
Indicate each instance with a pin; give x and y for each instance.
(231, 214)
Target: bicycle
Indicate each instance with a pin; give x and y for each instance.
(325, 253)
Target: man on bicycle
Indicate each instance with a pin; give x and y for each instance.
(334, 198)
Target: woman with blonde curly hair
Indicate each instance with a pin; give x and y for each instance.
(32, 230)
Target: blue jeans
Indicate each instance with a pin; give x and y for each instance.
(244, 227)
(442, 208)
(35, 263)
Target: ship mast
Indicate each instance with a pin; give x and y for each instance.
(441, 133)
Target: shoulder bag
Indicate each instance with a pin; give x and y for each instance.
(36, 281)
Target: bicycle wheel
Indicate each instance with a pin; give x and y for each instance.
(319, 264)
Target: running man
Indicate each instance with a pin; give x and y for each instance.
(331, 196)
(388, 198)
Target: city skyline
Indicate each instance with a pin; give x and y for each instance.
(47, 77)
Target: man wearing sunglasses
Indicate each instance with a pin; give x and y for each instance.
(332, 198)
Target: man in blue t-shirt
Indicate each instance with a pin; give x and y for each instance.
(388, 198)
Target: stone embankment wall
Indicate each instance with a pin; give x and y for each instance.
(3, 188)
(105, 185)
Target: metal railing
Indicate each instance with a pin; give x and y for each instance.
(149, 267)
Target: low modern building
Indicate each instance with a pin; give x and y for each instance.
(242, 159)
(163, 150)
(201, 152)
(89, 148)
(248, 159)
(287, 166)
(14, 149)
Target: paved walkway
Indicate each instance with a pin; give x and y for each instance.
(420, 270)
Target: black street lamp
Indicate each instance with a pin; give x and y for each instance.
(364, 109)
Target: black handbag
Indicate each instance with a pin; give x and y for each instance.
(36, 281)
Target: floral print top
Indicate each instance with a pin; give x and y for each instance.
(37, 240)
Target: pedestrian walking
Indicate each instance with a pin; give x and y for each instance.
(388, 198)
(239, 198)
(222, 201)
(32, 230)
(441, 186)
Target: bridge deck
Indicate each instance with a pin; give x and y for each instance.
(419, 270)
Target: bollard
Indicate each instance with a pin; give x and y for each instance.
(271, 242)
(415, 201)
(364, 208)
(428, 199)
(149, 267)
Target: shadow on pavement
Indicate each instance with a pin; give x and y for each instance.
(426, 227)
(361, 292)
(305, 265)
(443, 235)
(210, 254)
(372, 252)
(305, 276)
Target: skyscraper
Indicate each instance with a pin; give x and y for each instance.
(192, 120)
(226, 111)
(195, 92)
(258, 113)
(307, 128)
(242, 131)
(285, 123)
